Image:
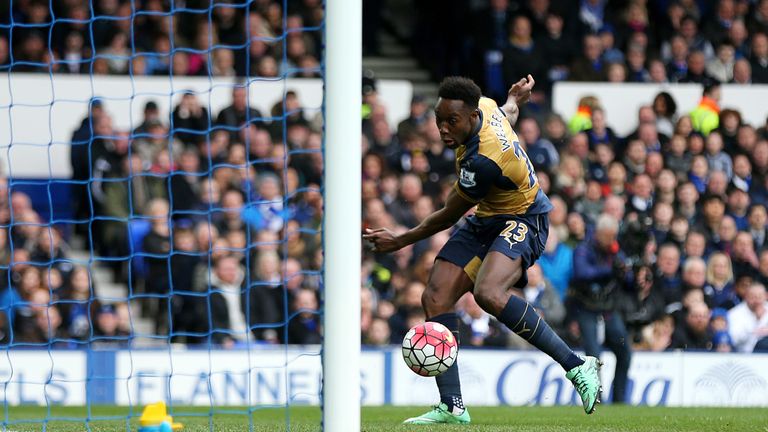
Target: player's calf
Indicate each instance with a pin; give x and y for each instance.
(497, 277)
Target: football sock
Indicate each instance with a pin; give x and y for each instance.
(522, 319)
(448, 382)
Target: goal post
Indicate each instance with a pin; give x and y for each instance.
(342, 231)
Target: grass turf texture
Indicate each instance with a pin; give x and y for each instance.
(533, 419)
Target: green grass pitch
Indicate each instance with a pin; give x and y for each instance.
(522, 419)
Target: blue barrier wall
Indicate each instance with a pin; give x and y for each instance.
(279, 376)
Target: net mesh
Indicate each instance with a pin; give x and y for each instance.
(170, 248)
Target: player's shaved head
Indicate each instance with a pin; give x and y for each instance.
(460, 88)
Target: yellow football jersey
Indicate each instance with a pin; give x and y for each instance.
(494, 170)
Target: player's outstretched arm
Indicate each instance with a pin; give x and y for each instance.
(517, 95)
(385, 240)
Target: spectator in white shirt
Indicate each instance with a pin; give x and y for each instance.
(749, 321)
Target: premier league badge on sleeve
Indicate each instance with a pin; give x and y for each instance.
(467, 178)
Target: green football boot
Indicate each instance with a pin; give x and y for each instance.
(440, 414)
(586, 379)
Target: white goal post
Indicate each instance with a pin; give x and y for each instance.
(342, 231)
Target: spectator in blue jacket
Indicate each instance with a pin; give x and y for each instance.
(600, 272)
(557, 264)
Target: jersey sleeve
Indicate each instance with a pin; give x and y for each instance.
(476, 178)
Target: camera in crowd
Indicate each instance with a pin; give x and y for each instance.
(634, 236)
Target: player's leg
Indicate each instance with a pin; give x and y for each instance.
(514, 249)
(447, 283)
(451, 277)
(616, 340)
(493, 292)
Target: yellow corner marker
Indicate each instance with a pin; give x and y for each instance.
(155, 416)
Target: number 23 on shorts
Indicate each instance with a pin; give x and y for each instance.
(515, 232)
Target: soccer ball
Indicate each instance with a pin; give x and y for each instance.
(429, 349)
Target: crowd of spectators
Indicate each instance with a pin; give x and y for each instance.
(659, 41)
(161, 37)
(214, 224)
(217, 236)
(211, 225)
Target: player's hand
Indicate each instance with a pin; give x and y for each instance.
(521, 90)
(383, 240)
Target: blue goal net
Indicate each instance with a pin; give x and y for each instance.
(160, 212)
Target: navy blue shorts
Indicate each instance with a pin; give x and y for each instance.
(522, 236)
